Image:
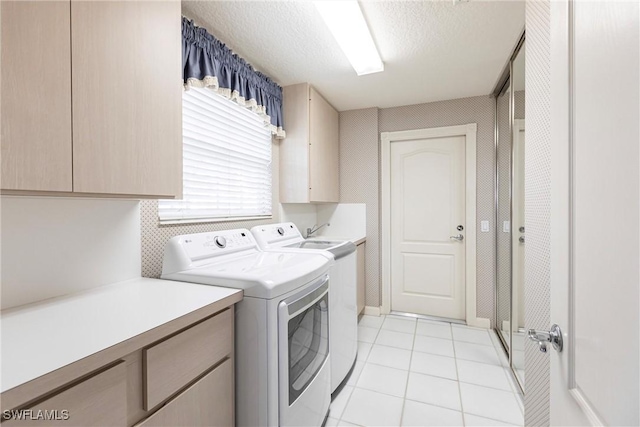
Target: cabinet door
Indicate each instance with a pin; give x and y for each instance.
(36, 95)
(98, 401)
(208, 402)
(127, 97)
(324, 168)
(361, 277)
(294, 149)
(173, 363)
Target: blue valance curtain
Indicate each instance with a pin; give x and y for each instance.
(207, 62)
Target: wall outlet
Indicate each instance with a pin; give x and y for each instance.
(484, 226)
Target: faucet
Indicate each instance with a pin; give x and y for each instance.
(315, 228)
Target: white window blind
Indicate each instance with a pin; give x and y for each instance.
(226, 161)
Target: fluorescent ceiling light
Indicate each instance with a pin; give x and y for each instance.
(346, 22)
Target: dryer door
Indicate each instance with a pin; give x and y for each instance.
(303, 347)
(305, 320)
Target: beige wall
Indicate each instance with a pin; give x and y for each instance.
(360, 183)
(360, 175)
(537, 208)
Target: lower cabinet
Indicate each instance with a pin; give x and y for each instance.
(208, 402)
(175, 362)
(360, 250)
(100, 400)
(182, 379)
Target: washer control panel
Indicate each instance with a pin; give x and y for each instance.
(217, 243)
(266, 235)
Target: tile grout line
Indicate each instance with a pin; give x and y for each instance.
(455, 360)
(364, 362)
(455, 357)
(491, 419)
(444, 378)
(406, 386)
(457, 373)
(486, 386)
(431, 403)
(345, 404)
(510, 379)
(454, 410)
(436, 337)
(435, 354)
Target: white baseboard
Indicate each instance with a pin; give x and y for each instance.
(479, 322)
(371, 311)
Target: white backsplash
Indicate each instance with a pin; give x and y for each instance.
(56, 246)
(346, 219)
(303, 215)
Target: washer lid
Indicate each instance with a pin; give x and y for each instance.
(260, 274)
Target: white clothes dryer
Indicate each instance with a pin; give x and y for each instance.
(343, 310)
(282, 325)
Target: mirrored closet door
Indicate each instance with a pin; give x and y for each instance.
(510, 210)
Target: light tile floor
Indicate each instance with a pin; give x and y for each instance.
(424, 373)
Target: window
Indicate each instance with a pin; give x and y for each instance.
(226, 161)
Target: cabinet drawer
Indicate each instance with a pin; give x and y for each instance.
(208, 402)
(98, 401)
(175, 362)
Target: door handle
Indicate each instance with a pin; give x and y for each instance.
(554, 336)
(459, 237)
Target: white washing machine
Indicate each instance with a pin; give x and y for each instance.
(282, 364)
(343, 310)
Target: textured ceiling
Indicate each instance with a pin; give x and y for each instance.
(432, 50)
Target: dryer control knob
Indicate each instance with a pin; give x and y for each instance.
(220, 241)
(281, 231)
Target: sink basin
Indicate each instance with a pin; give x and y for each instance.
(314, 244)
(339, 248)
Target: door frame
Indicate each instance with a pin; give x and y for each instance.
(518, 125)
(469, 131)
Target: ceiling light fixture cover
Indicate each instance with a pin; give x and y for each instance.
(346, 22)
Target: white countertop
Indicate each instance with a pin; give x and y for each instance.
(41, 337)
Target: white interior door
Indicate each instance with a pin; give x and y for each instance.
(427, 207)
(518, 229)
(595, 220)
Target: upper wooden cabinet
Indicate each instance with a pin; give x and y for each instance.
(115, 67)
(309, 166)
(36, 95)
(127, 97)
